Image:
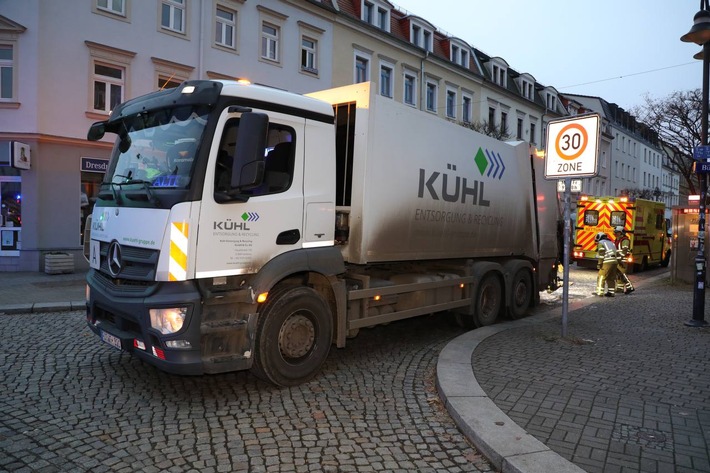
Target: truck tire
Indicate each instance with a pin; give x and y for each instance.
(293, 336)
(521, 294)
(489, 300)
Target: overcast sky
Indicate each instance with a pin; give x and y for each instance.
(615, 49)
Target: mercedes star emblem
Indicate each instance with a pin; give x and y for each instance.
(115, 262)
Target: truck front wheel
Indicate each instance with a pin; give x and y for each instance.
(293, 336)
(488, 301)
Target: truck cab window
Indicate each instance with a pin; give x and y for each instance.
(279, 157)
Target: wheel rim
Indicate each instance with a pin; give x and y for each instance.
(520, 294)
(297, 336)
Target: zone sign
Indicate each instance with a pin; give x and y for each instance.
(572, 147)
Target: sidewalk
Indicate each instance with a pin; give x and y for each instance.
(39, 292)
(627, 390)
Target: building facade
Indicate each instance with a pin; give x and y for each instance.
(64, 65)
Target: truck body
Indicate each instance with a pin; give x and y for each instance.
(272, 225)
(643, 221)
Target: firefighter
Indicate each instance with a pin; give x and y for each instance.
(606, 263)
(623, 249)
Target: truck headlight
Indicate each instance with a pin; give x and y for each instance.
(169, 320)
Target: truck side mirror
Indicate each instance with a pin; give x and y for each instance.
(96, 131)
(248, 168)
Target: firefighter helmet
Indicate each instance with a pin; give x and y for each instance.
(619, 229)
(600, 236)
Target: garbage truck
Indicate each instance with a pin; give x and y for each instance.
(242, 227)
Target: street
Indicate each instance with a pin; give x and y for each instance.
(70, 403)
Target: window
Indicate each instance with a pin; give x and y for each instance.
(270, 42)
(454, 53)
(451, 104)
(428, 43)
(551, 102)
(383, 19)
(499, 75)
(466, 109)
(410, 89)
(108, 87)
(591, 217)
(386, 81)
(532, 133)
(112, 6)
(491, 117)
(278, 163)
(618, 218)
(309, 48)
(368, 13)
(172, 15)
(464, 58)
(416, 35)
(431, 92)
(167, 83)
(504, 122)
(6, 72)
(362, 69)
(519, 131)
(225, 28)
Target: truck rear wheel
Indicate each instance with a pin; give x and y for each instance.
(489, 300)
(293, 336)
(522, 293)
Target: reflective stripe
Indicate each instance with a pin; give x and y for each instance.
(177, 267)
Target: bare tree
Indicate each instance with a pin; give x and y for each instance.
(677, 121)
(490, 129)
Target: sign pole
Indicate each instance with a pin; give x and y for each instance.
(572, 150)
(565, 255)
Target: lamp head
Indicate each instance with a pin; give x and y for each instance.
(700, 31)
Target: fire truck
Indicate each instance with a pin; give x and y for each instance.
(643, 220)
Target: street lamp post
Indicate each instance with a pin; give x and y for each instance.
(700, 34)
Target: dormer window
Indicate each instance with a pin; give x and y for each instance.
(551, 101)
(498, 69)
(459, 53)
(421, 34)
(376, 13)
(527, 86)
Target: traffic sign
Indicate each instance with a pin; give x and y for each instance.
(575, 186)
(702, 168)
(701, 152)
(572, 147)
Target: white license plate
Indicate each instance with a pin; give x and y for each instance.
(111, 340)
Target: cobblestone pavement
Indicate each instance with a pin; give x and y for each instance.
(627, 391)
(70, 403)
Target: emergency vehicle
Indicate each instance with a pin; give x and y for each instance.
(644, 223)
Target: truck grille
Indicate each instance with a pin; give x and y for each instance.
(138, 269)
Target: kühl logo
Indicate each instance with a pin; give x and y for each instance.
(482, 160)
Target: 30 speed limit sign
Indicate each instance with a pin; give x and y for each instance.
(572, 147)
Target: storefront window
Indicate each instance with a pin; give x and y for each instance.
(10, 211)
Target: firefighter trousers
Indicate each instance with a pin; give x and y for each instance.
(606, 277)
(622, 278)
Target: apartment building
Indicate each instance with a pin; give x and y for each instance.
(64, 65)
(414, 62)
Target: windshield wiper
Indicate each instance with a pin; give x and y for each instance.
(146, 186)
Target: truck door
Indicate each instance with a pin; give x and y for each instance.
(239, 235)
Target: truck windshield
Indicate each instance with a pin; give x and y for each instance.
(157, 149)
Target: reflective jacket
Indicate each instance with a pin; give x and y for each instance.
(606, 251)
